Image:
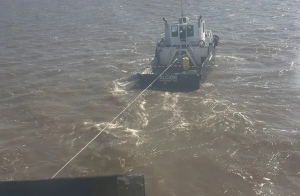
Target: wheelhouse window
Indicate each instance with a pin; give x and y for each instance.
(174, 30)
(190, 30)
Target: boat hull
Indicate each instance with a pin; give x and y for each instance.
(186, 81)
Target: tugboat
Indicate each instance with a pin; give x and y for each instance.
(182, 56)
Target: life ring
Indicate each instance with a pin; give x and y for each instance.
(201, 43)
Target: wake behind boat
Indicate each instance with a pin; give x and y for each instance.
(181, 56)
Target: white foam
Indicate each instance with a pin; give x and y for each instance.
(119, 87)
(170, 101)
(207, 84)
(232, 154)
(107, 125)
(143, 114)
(134, 132)
(244, 177)
(231, 57)
(142, 105)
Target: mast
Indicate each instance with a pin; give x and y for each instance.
(181, 22)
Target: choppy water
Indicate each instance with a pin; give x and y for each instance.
(65, 69)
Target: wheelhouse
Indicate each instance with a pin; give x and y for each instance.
(184, 32)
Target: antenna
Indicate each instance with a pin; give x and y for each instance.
(181, 10)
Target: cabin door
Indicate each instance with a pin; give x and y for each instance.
(182, 35)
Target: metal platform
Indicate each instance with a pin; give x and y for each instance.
(120, 185)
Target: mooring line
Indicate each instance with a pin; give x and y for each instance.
(63, 167)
